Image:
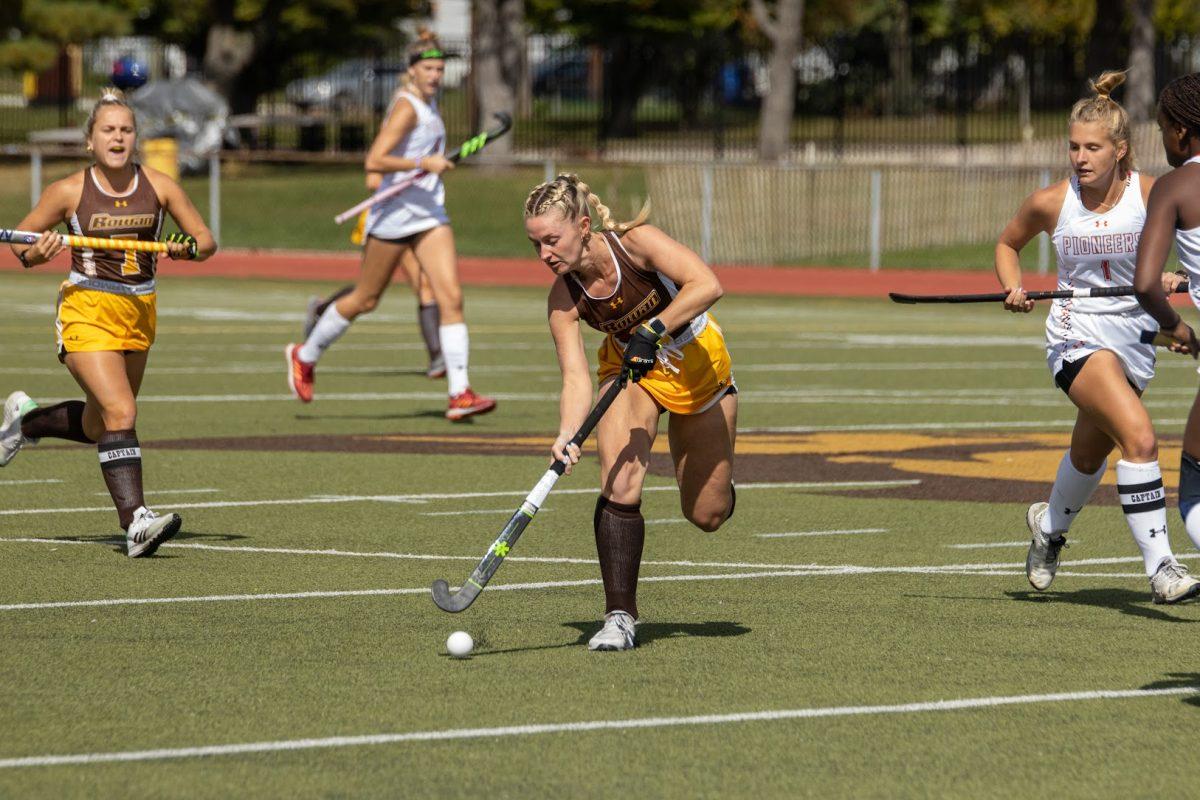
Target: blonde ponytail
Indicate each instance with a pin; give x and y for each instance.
(1103, 109)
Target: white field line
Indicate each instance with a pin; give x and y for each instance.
(642, 723)
(424, 498)
(509, 511)
(817, 571)
(31, 481)
(934, 426)
(169, 491)
(666, 521)
(988, 545)
(820, 533)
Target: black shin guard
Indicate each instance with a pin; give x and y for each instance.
(1189, 484)
(61, 421)
(620, 533)
(431, 320)
(121, 465)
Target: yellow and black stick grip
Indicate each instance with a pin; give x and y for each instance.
(8, 236)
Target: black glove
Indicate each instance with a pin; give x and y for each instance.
(183, 238)
(640, 352)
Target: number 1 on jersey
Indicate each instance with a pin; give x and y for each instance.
(130, 265)
(1107, 273)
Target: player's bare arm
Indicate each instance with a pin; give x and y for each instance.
(183, 211)
(56, 204)
(1158, 234)
(698, 286)
(576, 395)
(1036, 215)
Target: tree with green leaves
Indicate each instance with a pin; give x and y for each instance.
(249, 47)
(38, 30)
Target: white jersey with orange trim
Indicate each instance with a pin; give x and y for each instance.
(1098, 249)
(422, 205)
(1187, 244)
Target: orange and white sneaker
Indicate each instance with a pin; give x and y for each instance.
(468, 404)
(300, 374)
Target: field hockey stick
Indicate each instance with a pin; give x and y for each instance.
(994, 297)
(92, 242)
(467, 148)
(1160, 339)
(458, 601)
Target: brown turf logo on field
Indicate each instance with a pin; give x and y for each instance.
(974, 467)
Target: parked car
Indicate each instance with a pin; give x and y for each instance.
(358, 84)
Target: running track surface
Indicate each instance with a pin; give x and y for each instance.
(796, 281)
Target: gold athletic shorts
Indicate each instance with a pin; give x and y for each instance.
(90, 320)
(691, 383)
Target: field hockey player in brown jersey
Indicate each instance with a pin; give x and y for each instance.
(106, 309)
(650, 295)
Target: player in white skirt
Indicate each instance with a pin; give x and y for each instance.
(411, 140)
(1174, 212)
(1093, 345)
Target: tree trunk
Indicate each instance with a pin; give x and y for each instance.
(227, 53)
(1106, 44)
(900, 60)
(1139, 96)
(498, 34)
(775, 120)
(625, 77)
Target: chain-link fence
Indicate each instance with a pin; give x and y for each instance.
(858, 100)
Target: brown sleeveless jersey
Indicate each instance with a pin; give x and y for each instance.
(137, 215)
(640, 295)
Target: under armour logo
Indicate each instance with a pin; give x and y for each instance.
(120, 203)
(617, 303)
(1155, 531)
(1069, 512)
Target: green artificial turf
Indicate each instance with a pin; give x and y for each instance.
(902, 622)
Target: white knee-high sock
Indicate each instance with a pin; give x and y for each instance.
(1145, 505)
(329, 329)
(1072, 489)
(455, 344)
(1189, 496)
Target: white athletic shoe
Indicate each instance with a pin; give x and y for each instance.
(148, 530)
(1172, 583)
(618, 633)
(12, 440)
(1042, 561)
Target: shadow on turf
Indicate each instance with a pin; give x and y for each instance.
(1179, 680)
(647, 632)
(118, 542)
(1137, 604)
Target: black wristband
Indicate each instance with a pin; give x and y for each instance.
(656, 326)
(24, 262)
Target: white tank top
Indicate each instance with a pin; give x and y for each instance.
(1098, 249)
(1187, 244)
(426, 139)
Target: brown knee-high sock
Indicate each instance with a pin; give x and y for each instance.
(620, 533)
(61, 421)
(121, 465)
(431, 320)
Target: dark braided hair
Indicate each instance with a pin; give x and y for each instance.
(1180, 102)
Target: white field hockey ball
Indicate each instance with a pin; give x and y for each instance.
(460, 644)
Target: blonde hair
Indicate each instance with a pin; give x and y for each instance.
(573, 198)
(1103, 109)
(109, 96)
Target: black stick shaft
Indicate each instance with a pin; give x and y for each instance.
(460, 600)
(998, 297)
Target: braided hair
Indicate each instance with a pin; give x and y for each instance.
(573, 198)
(1180, 102)
(1103, 109)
